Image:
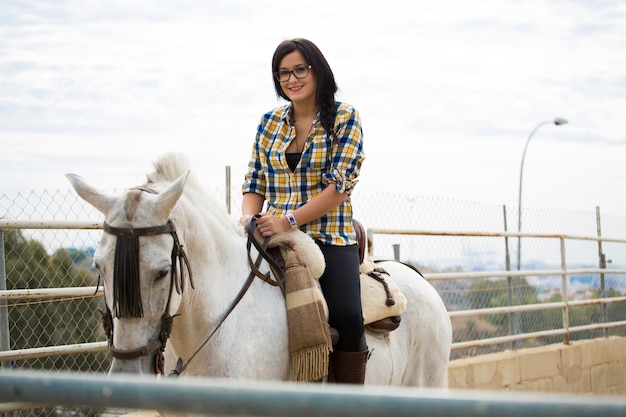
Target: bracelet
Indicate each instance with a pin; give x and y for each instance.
(292, 220)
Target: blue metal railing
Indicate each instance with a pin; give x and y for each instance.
(242, 397)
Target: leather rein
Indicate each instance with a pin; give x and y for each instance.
(254, 272)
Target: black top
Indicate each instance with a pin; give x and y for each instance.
(292, 160)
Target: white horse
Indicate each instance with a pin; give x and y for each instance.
(172, 215)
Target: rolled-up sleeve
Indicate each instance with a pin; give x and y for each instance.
(254, 181)
(348, 154)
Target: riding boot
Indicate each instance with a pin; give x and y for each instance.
(349, 367)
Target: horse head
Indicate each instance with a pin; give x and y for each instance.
(141, 264)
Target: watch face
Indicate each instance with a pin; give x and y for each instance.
(292, 220)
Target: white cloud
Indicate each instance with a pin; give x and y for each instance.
(448, 90)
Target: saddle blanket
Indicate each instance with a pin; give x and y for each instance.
(380, 295)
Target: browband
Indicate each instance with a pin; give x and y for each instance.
(140, 231)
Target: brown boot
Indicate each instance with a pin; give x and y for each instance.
(349, 367)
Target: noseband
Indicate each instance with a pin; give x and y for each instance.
(126, 290)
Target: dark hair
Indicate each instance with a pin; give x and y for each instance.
(326, 86)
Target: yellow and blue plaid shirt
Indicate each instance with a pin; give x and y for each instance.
(324, 161)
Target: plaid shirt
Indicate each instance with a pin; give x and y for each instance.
(324, 161)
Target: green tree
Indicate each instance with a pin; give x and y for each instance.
(50, 323)
(488, 293)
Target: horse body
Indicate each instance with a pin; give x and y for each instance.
(418, 351)
(252, 342)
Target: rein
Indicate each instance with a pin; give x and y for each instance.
(254, 272)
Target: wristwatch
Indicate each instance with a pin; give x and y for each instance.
(292, 220)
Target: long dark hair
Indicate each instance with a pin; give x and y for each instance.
(326, 86)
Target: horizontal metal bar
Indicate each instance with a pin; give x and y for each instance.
(533, 307)
(372, 231)
(73, 224)
(53, 351)
(441, 276)
(526, 336)
(597, 326)
(278, 399)
(48, 224)
(502, 310)
(15, 406)
(39, 293)
(505, 339)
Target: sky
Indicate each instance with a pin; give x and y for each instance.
(448, 92)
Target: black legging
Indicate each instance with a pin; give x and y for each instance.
(341, 286)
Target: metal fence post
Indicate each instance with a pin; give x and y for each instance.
(602, 264)
(509, 280)
(564, 293)
(396, 251)
(5, 342)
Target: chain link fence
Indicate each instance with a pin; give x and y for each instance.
(444, 253)
(45, 258)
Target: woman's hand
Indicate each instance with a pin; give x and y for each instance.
(243, 220)
(269, 225)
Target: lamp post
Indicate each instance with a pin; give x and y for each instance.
(557, 121)
(517, 319)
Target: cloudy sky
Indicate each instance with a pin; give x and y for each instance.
(448, 92)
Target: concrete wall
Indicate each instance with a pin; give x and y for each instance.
(596, 366)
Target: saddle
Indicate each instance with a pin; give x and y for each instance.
(382, 300)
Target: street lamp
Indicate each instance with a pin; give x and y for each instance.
(516, 317)
(558, 122)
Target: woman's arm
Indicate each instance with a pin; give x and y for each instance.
(324, 202)
(251, 203)
(317, 207)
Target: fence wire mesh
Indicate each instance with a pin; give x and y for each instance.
(46, 258)
(440, 254)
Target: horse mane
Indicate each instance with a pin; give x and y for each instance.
(197, 201)
(169, 167)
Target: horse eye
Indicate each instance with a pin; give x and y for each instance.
(162, 274)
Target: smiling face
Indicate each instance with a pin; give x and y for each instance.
(298, 90)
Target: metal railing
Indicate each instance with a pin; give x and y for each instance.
(277, 399)
(512, 310)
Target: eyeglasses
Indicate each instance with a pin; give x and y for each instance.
(299, 73)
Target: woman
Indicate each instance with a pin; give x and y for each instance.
(305, 163)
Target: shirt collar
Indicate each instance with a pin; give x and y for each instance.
(286, 116)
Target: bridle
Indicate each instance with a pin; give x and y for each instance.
(179, 259)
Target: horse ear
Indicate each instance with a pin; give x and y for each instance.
(166, 199)
(90, 194)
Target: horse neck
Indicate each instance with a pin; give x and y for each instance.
(208, 230)
(219, 271)
(214, 248)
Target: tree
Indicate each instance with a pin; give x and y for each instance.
(50, 323)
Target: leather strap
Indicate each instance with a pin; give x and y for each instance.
(180, 366)
(140, 231)
(135, 353)
(262, 249)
